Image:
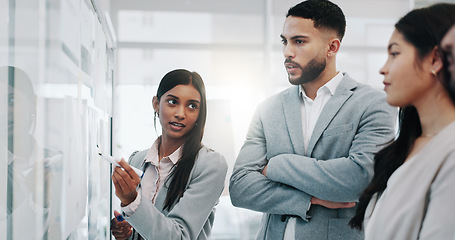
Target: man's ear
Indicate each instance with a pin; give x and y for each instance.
(333, 47)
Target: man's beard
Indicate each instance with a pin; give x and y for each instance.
(449, 80)
(451, 88)
(310, 72)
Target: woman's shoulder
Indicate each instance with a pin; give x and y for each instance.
(137, 157)
(211, 158)
(211, 166)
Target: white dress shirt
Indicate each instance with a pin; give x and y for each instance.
(310, 110)
(154, 177)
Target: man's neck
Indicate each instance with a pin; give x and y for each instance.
(312, 87)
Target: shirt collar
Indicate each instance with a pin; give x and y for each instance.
(175, 156)
(331, 85)
(152, 154)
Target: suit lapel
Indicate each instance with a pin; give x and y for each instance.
(292, 116)
(342, 93)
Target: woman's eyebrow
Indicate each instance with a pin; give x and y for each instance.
(192, 100)
(390, 46)
(170, 95)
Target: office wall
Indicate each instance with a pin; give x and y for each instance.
(56, 74)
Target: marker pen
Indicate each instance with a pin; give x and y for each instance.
(116, 220)
(115, 161)
(120, 218)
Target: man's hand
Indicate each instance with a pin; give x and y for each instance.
(126, 182)
(264, 171)
(330, 204)
(121, 230)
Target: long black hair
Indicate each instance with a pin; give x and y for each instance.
(424, 28)
(192, 143)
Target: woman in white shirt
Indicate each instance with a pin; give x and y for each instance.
(182, 180)
(411, 195)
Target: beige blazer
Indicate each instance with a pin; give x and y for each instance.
(419, 202)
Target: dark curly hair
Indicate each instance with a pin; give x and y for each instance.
(325, 15)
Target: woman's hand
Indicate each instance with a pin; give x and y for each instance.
(126, 182)
(121, 230)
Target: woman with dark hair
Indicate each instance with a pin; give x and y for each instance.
(411, 195)
(182, 179)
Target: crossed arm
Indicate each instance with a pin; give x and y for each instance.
(325, 203)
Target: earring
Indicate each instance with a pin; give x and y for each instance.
(434, 72)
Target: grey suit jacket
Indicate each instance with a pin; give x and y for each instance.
(337, 166)
(418, 203)
(193, 215)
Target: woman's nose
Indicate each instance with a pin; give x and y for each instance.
(383, 70)
(180, 112)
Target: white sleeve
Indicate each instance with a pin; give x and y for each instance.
(131, 208)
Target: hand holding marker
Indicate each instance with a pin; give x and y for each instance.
(115, 161)
(118, 218)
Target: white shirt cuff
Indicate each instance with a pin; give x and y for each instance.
(131, 208)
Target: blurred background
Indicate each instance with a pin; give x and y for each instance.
(78, 76)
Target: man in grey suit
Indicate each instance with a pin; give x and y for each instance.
(448, 45)
(309, 149)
